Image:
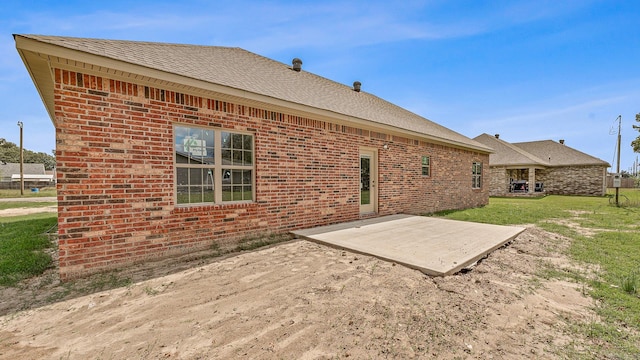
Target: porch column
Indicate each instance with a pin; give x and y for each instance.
(532, 180)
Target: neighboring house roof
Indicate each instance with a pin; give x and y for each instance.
(558, 154)
(231, 71)
(9, 169)
(195, 159)
(506, 154)
(545, 153)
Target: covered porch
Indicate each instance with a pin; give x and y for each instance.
(524, 181)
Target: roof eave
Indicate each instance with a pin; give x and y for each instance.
(40, 73)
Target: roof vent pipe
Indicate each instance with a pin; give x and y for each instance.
(356, 86)
(497, 136)
(297, 64)
(562, 141)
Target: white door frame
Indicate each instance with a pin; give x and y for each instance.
(368, 181)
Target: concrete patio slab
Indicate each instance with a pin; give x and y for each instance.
(434, 246)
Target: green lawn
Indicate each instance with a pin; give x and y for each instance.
(22, 247)
(15, 193)
(614, 247)
(24, 204)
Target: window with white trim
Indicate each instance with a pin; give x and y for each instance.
(426, 165)
(213, 166)
(476, 175)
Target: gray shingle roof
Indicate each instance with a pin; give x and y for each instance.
(240, 69)
(8, 169)
(506, 154)
(559, 154)
(535, 153)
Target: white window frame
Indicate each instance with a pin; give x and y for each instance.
(427, 166)
(476, 175)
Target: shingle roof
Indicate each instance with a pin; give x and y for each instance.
(8, 169)
(535, 153)
(240, 69)
(506, 154)
(559, 154)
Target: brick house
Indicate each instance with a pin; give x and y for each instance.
(542, 167)
(166, 149)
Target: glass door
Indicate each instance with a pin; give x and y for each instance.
(368, 176)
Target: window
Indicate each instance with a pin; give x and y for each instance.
(476, 175)
(237, 173)
(212, 166)
(426, 165)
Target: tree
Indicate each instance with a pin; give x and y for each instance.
(10, 152)
(636, 143)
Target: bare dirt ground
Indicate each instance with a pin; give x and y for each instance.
(303, 300)
(28, 211)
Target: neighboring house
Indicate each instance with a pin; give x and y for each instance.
(32, 175)
(165, 149)
(543, 167)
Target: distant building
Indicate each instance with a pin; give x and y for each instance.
(543, 167)
(33, 174)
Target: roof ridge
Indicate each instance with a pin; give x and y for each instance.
(523, 152)
(567, 147)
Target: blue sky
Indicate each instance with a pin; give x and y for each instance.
(528, 70)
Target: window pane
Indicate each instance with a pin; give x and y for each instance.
(237, 141)
(248, 142)
(208, 195)
(194, 185)
(247, 193)
(237, 184)
(226, 157)
(236, 177)
(195, 148)
(183, 195)
(237, 193)
(226, 193)
(226, 140)
(182, 176)
(195, 176)
(246, 177)
(195, 194)
(248, 158)
(193, 145)
(237, 157)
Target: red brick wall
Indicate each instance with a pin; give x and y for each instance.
(116, 175)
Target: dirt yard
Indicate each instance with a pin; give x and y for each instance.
(302, 300)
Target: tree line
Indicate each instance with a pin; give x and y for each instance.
(10, 153)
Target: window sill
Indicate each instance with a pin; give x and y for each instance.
(183, 208)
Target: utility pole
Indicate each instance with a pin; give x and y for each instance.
(21, 162)
(618, 166)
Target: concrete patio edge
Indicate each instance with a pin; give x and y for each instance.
(434, 246)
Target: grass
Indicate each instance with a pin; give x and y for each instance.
(15, 193)
(612, 243)
(22, 248)
(38, 216)
(25, 204)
